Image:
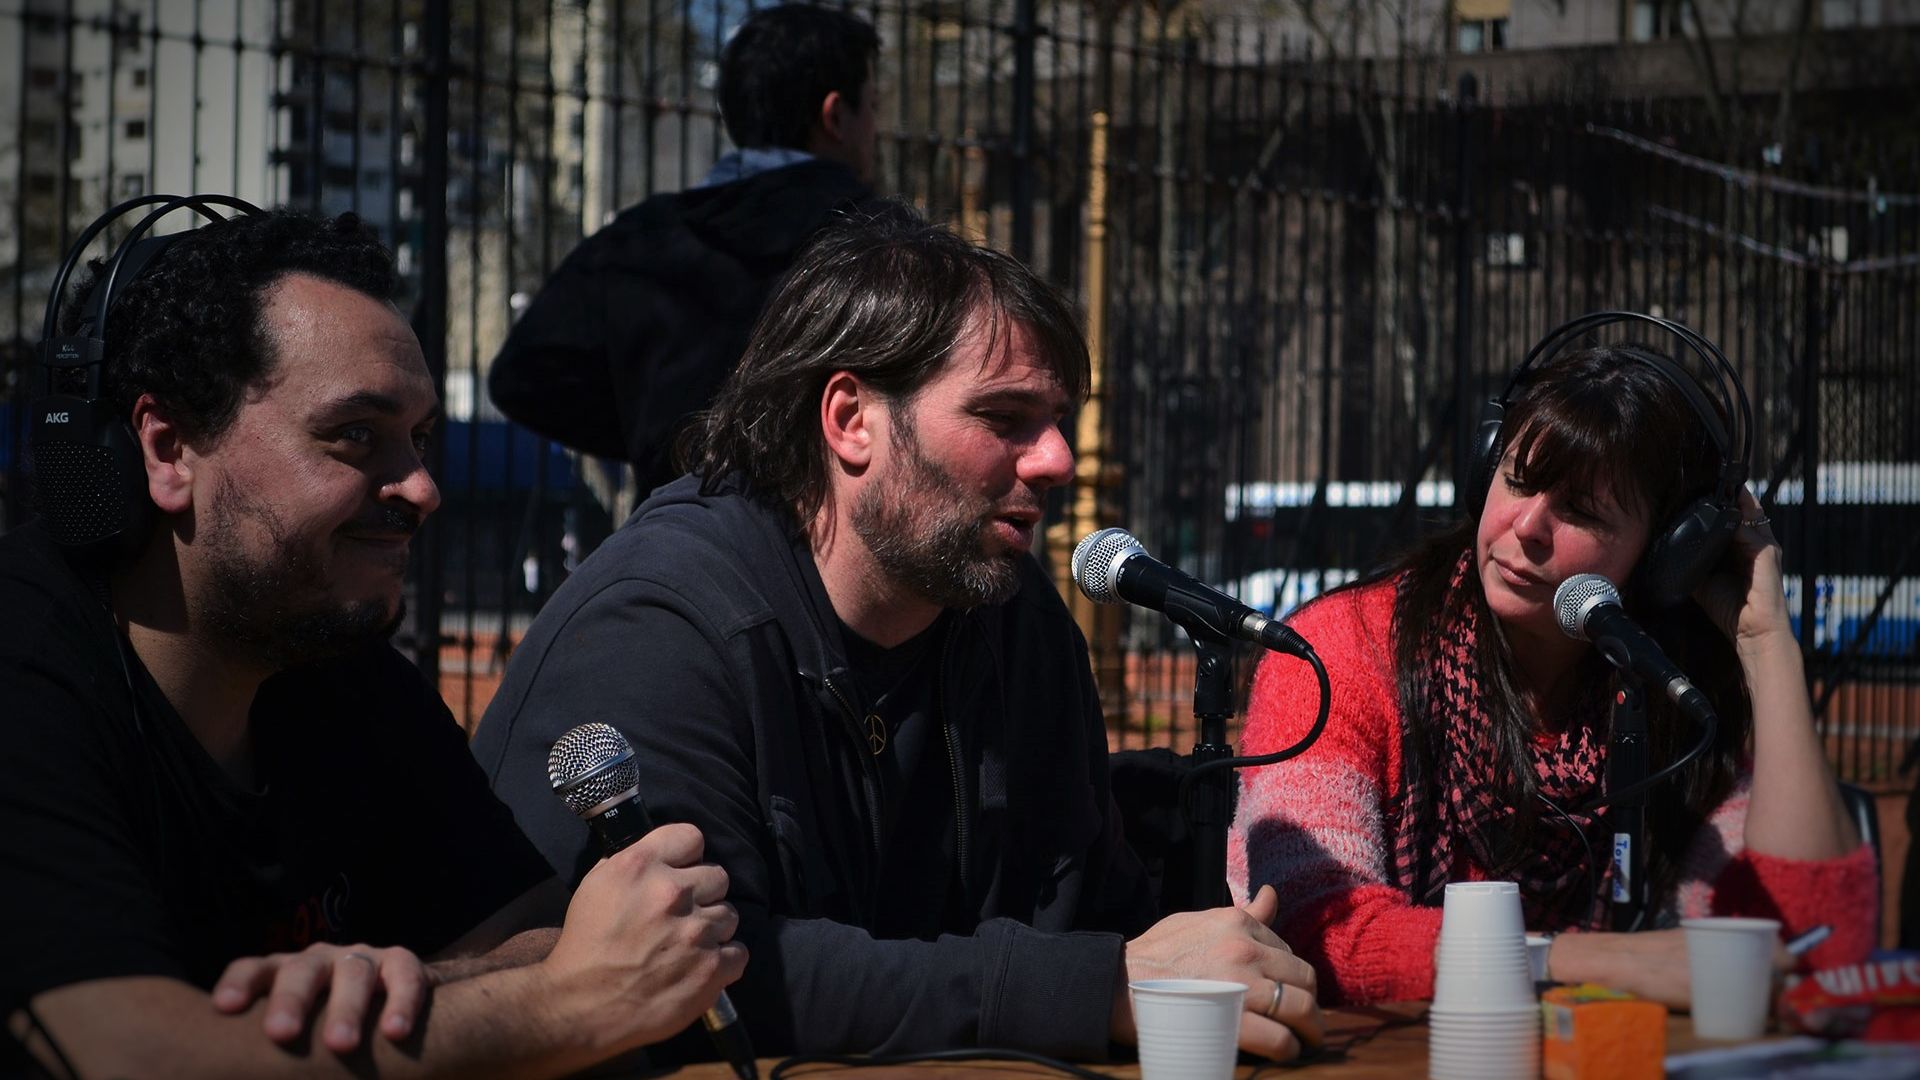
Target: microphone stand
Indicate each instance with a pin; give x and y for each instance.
(1626, 768)
(1209, 792)
(1210, 799)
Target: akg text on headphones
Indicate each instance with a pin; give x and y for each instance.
(89, 481)
(1682, 552)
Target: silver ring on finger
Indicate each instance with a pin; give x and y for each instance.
(371, 962)
(1760, 522)
(1274, 1005)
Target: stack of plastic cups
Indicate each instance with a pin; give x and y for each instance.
(1485, 1021)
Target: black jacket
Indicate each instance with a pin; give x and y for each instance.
(645, 319)
(702, 631)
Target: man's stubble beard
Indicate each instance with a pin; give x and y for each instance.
(278, 610)
(927, 532)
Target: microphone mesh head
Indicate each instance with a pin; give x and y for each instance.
(591, 764)
(1578, 595)
(1096, 563)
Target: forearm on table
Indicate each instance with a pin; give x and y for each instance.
(1795, 811)
(527, 947)
(840, 990)
(516, 1022)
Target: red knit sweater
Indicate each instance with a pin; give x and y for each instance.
(1319, 829)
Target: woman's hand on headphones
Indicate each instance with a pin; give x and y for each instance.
(1746, 596)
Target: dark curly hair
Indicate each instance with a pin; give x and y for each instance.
(188, 330)
(783, 62)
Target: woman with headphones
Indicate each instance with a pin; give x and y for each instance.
(1468, 737)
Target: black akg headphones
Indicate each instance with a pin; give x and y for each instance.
(1681, 554)
(89, 480)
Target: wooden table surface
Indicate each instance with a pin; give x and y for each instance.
(1386, 1042)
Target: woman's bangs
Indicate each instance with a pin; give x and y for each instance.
(1559, 449)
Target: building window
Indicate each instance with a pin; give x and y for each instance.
(138, 77)
(1658, 20)
(133, 185)
(44, 78)
(1481, 35)
(136, 129)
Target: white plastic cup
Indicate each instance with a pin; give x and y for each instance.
(1537, 949)
(1730, 966)
(1480, 962)
(1189, 1029)
(1482, 909)
(1502, 1045)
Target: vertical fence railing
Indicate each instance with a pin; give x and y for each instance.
(1313, 269)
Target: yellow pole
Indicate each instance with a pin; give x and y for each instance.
(1091, 507)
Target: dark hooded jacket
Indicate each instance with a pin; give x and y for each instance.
(645, 319)
(701, 630)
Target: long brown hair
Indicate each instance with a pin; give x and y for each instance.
(887, 297)
(1596, 417)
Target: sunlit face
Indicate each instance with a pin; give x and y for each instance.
(959, 487)
(304, 506)
(1531, 541)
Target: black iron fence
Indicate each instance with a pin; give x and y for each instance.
(1305, 269)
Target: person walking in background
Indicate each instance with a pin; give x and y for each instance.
(641, 324)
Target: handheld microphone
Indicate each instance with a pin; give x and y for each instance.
(1112, 568)
(1588, 607)
(591, 767)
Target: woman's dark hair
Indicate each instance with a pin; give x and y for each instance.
(189, 329)
(885, 297)
(1591, 418)
(782, 63)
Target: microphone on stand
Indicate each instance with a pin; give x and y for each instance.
(591, 768)
(1588, 607)
(1111, 567)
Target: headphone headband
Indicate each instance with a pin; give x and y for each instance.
(1733, 396)
(1680, 553)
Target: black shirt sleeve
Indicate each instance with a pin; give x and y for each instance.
(78, 900)
(553, 375)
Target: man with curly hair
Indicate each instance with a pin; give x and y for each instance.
(225, 799)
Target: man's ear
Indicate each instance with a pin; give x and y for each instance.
(851, 419)
(169, 462)
(834, 110)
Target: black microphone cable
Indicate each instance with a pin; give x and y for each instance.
(1274, 758)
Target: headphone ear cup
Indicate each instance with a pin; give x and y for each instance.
(92, 490)
(1679, 558)
(1487, 448)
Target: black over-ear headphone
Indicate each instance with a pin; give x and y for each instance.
(89, 479)
(1682, 552)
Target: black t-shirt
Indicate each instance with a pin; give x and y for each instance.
(899, 689)
(128, 851)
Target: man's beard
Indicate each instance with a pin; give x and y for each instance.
(277, 608)
(928, 533)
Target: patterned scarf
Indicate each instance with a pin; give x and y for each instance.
(1456, 812)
